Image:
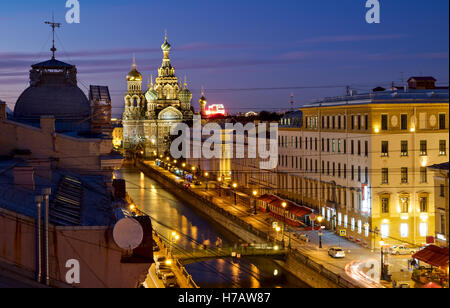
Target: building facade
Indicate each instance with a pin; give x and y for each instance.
(149, 115)
(361, 162)
(441, 205)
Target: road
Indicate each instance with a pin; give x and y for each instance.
(355, 254)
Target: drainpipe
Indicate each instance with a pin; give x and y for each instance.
(46, 192)
(39, 200)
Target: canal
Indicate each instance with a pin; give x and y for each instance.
(170, 214)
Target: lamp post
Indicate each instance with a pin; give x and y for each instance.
(320, 219)
(219, 179)
(206, 180)
(235, 193)
(173, 239)
(255, 194)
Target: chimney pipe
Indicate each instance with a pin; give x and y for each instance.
(46, 192)
(39, 200)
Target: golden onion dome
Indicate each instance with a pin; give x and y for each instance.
(134, 75)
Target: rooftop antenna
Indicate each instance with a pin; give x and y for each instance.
(54, 25)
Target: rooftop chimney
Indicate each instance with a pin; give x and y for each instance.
(24, 177)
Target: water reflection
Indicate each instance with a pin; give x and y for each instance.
(169, 214)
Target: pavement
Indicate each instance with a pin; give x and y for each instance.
(360, 264)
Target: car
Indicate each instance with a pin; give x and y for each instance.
(401, 250)
(336, 252)
(170, 280)
(162, 269)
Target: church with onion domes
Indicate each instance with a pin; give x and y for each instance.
(149, 115)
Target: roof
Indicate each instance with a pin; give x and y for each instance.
(53, 63)
(434, 256)
(94, 208)
(440, 95)
(100, 93)
(292, 207)
(443, 166)
(423, 78)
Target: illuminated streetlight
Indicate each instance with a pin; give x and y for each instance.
(320, 219)
(235, 193)
(132, 207)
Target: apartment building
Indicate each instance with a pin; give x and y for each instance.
(361, 161)
(441, 206)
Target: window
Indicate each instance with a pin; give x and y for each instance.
(404, 177)
(353, 172)
(300, 142)
(366, 230)
(353, 121)
(366, 121)
(404, 205)
(404, 122)
(328, 167)
(366, 148)
(404, 230)
(423, 229)
(384, 148)
(385, 205)
(442, 192)
(333, 145)
(423, 148)
(423, 204)
(339, 170)
(385, 176)
(339, 145)
(334, 122)
(423, 175)
(345, 146)
(334, 169)
(345, 171)
(323, 145)
(359, 147)
(359, 122)
(442, 147)
(352, 147)
(384, 231)
(384, 122)
(339, 122)
(328, 145)
(339, 219)
(323, 167)
(359, 226)
(316, 144)
(346, 221)
(359, 173)
(345, 122)
(404, 148)
(442, 124)
(353, 224)
(366, 175)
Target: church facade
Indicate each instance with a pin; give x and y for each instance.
(149, 115)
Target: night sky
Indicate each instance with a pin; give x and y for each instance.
(231, 47)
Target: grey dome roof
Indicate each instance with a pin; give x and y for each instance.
(63, 102)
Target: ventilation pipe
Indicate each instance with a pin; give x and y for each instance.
(46, 192)
(39, 200)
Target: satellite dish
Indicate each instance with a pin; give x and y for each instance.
(128, 234)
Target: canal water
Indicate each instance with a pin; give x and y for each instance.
(170, 214)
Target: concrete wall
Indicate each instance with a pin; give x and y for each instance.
(93, 247)
(72, 153)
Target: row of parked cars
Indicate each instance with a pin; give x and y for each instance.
(164, 272)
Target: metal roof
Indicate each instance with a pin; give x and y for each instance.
(53, 63)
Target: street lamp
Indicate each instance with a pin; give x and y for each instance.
(235, 194)
(220, 185)
(206, 181)
(255, 194)
(284, 205)
(320, 219)
(173, 239)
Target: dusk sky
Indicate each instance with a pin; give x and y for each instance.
(231, 47)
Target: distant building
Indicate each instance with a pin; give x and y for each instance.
(441, 202)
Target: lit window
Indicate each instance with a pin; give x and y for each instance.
(404, 230)
(353, 224)
(359, 226)
(423, 229)
(339, 219)
(443, 147)
(366, 230)
(404, 205)
(345, 221)
(385, 231)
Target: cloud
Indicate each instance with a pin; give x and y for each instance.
(353, 38)
(405, 56)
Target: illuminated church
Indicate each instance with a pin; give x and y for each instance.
(149, 116)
